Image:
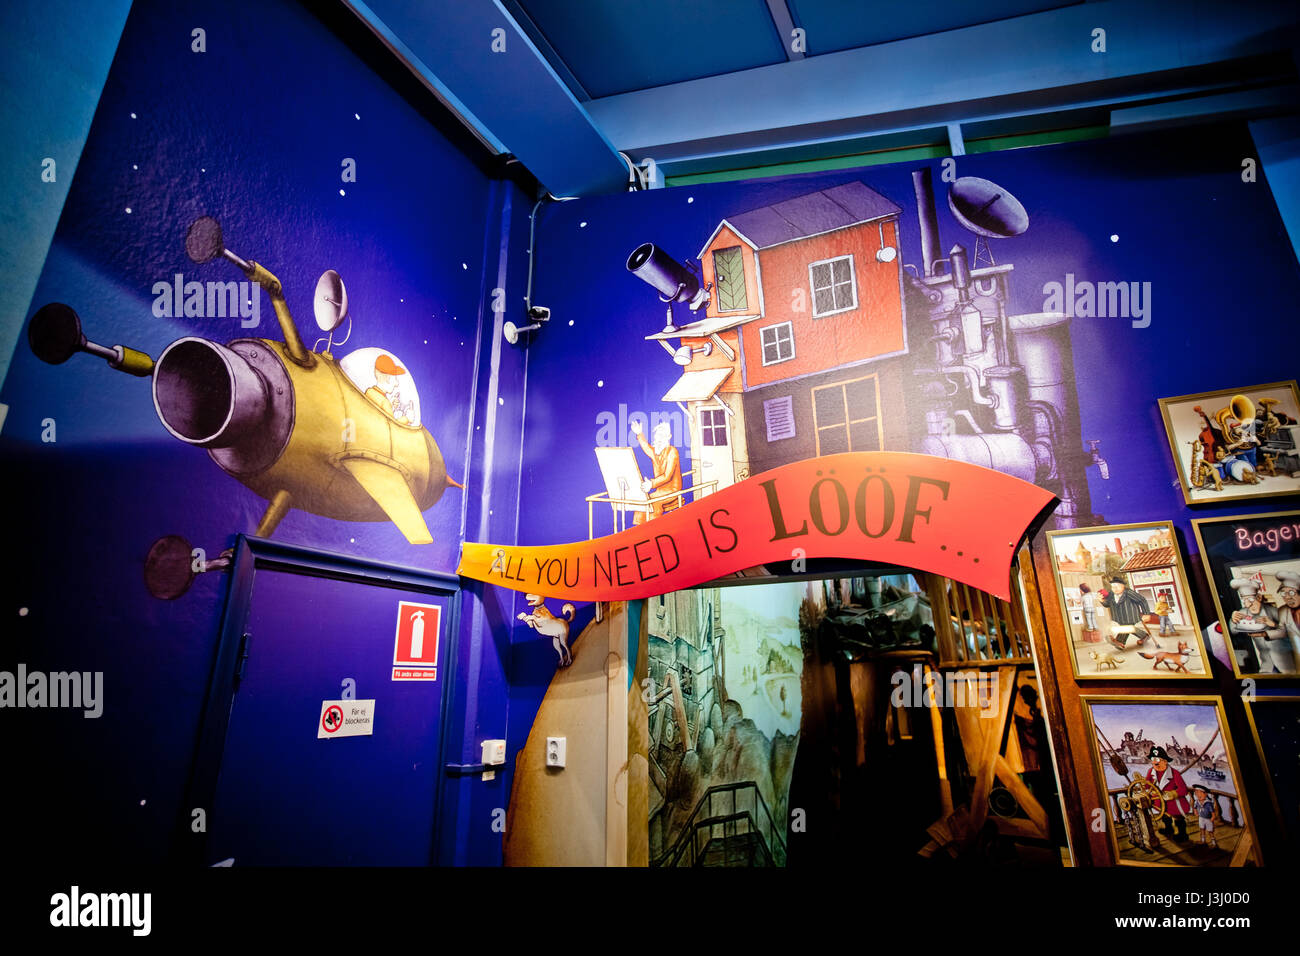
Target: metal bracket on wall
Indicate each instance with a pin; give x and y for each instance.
(242, 658)
(468, 769)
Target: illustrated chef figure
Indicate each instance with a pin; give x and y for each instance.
(1172, 787)
(1288, 614)
(1272, 648)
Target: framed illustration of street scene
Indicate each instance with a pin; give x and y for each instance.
(1171, 781)
(1126, 604)
(1237, 443)
(1275, 725)
(1253, 566)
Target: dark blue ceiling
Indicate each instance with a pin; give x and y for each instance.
(616, 46)
(607, 47)
(579, 91)
(833, 25)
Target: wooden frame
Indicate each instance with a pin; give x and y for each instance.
(1288, 830)
(1268, 554)
(1108, 663)
(1182, 427)
(1244, 850)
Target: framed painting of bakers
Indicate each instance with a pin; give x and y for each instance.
(1171, 783)
(1236, 443)
(1125, 603)
(1275, 724)
(1253, 565)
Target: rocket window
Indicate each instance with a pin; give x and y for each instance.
(834, 288)
(385, 381)
(778, 343)
(729, 279)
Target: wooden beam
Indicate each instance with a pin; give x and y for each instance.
(992, 742)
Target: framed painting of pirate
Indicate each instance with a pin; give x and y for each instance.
(1236, 443)
(1126, 604)
(1171, 782)
(1253, 565)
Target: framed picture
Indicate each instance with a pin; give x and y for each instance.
(1171, 781)
(1126, 604)
(1275, 725)
(1237, 443)
(1253, 563)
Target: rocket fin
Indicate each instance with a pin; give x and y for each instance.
(390, 491)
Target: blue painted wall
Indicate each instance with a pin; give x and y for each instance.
(1214, 248)
(253, 131)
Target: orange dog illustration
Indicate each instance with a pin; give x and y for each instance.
(547, 624)
(1168, 658)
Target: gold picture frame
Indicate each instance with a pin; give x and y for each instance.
(1289, 819)
(1159, 819)
(1230, 479)
(1146, 557)
(1275, 650)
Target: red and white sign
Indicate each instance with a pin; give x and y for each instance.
(415, 649)
(346, 718)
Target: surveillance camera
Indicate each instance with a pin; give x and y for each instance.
(539, 313)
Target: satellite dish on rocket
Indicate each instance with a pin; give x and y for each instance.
(987, 210)
(331, 301)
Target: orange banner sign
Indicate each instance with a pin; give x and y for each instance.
(954, 519)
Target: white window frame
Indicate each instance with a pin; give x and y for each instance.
(713, 410)
(812, 285)
(762, 345)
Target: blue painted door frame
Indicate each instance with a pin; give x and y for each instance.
(251, 556)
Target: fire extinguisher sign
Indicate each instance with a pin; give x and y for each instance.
(415, 649)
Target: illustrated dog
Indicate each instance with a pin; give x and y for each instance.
(1106, 660)
(1179, 657)
(547, 624)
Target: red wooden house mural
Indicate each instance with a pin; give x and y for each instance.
(806, 300)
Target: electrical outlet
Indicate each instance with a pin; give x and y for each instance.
(555, 751)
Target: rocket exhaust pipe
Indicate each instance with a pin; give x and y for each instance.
(923, 186)
(208, 395)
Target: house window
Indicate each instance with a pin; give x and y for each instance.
(834, 288)
(778, 413)
(778, 343)
(713, 427)
(729, 279)
(846, 416)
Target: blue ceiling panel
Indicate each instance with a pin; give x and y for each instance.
(615, 46)
(473, 55)
(833, 25)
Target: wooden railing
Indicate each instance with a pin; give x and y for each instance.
(981, 629)
(622, 506)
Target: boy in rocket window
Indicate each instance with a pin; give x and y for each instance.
(387, 390)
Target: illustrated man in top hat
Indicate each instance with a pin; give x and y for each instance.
(1126, 608)
(387, 390)
(1174, 789)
